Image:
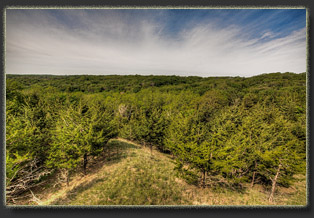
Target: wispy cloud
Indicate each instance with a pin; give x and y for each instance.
(119, 42)
(267, 35)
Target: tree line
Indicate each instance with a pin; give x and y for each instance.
(219, 130)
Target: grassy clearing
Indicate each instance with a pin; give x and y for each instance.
(138, 179)
(131, 175)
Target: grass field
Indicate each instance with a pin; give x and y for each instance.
(132, 175)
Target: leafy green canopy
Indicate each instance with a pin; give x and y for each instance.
(236, 129)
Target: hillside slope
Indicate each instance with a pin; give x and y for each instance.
(132, 175)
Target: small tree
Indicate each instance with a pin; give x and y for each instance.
(279, 156)
(187, 139)
(80, 132)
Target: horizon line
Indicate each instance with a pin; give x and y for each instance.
(44, 74)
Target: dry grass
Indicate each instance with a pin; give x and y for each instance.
(134, 176)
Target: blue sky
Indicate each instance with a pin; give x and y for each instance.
(201, 42)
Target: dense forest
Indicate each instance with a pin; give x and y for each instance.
(219, 130)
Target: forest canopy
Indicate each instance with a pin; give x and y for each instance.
(231, 129)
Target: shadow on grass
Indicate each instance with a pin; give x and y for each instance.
(227, 187)
(115, 151)
(66, 200)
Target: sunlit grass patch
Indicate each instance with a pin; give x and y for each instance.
(135, 176)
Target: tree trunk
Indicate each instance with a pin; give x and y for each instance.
(65, 176)
(253, 178)
(85, 163)
(204, 178)
(68, 179)
(104, 151)
(274, 181)
(252, 183)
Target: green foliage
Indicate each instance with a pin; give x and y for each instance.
(22, 134)
(13, 165)
(81, 130)
(238, 129)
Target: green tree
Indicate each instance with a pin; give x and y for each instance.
(81, 131)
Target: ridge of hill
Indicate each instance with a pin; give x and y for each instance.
(134, 175)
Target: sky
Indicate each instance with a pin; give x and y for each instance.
(184, 42)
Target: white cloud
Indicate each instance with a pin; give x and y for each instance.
(111, 45)
(267, 35)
